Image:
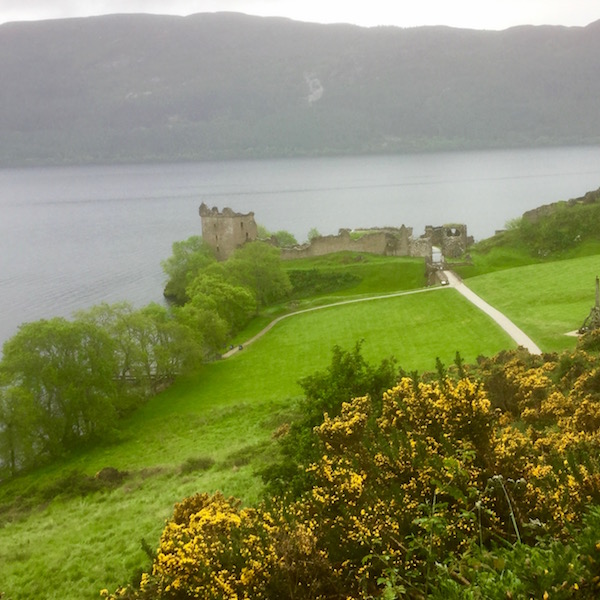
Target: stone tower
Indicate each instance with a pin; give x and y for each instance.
(227, 230)
(451, 239)
(454, 240)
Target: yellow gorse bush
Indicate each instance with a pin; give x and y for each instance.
(218, 551)
(432, 469)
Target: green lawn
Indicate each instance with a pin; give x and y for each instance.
(375, 275)
(378, 274)
(70, 548)
(505, 251)
(497, 258)
(545, 300)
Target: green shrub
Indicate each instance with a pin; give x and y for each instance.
(314, 282)
(199, 463)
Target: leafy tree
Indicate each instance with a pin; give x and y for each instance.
(262, 232)
(167, 346)
(148, 345)
(313, 233)
(64, 382)
(281, 238)
(234, 304)
(124, 324)
(284, 239)
(66, 369)
(207, 327)
(188, 259)
(513, 224)
(257, 267)
(348, 376)
(18, 418)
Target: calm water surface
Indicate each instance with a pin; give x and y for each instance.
(74, 237)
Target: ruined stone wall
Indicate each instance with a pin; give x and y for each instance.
(451, 239)
(421, 247)
(227, 230)
(454, 240)
(389, 242)
(547, 209)
(541, 211)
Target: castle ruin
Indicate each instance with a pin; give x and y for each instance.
(451, 239)
(227, 230)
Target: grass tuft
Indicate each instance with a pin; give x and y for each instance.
(199, 463)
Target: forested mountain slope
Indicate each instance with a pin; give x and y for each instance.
(141, 87)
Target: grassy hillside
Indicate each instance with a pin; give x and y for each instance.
(338, 277)
(554, 232)
(369, 274)
(227, 414)
(545, 300)
(215, 430)
(541, 271)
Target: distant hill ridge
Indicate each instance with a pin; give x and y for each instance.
(225, 85)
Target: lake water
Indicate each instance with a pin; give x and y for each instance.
(77, 236)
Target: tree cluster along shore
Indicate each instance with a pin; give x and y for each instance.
(64, 383)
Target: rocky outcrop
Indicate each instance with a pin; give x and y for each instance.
(547, 209)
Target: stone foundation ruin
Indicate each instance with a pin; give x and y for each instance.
(227, 230)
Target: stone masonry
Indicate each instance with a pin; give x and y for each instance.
(225, 231)
(451, 239)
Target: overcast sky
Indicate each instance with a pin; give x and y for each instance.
(475, 14)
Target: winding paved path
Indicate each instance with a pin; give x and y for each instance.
(305, 310)
(515, 333)
(453, 280)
